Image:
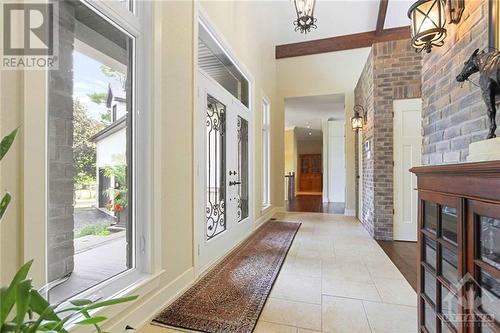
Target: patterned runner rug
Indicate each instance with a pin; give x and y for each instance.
(230, 297)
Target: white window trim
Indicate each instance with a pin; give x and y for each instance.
(139, 26)
(266, 153)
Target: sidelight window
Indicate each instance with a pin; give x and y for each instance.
(93, 237)
(266, 152)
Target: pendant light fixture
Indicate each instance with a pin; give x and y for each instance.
(305, 15)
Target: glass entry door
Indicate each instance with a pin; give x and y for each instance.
(225, 165)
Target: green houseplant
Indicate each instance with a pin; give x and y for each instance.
(24, 309)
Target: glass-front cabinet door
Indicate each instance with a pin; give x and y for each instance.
(441, 263)
(484, 265)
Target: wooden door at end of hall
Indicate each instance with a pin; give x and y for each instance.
(311, 175)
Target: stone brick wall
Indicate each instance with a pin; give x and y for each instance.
(396, 74)
(454, 116)
(363, 95)
(60, 226)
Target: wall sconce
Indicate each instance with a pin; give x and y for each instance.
(428, 21)
(359, 118)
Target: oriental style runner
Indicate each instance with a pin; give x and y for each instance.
(230, 297)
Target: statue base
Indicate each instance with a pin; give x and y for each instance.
(486, 150)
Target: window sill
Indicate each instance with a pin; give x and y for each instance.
(144, 284)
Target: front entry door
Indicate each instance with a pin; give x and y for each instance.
(407, 154)
(226, 171)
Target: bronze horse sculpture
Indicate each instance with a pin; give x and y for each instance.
(488, 66)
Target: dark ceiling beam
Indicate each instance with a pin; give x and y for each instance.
(382, 12)
(340, 43)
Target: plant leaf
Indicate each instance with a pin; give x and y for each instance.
(80, 302)
(40, 306)
(4, 204)
(7, 142)
(111, 302)
(92, 320)
(22, 301)
(8, 296)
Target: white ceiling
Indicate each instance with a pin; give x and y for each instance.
(335, 18)
(306, 113)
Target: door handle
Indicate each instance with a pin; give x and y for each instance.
(231, 183)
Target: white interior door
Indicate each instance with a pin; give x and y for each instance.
(407, 154)
(224, 169)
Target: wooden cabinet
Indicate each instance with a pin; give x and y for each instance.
(459, 248)
(310, 176)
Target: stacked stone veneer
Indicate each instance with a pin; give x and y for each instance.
(392, 71)
(60, 247)
(454, 116)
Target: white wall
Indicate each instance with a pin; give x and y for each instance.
(336, 161)
(112, 149)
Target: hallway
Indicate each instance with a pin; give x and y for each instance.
(335, 279)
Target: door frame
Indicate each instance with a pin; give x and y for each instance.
(202, 18)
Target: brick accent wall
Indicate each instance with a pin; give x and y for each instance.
(454, 116)
(363, 95)
(396, 74)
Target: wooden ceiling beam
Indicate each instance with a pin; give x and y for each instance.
(341, 43)
(382, 12)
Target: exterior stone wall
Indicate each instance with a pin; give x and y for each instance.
(396, 74)
(454, 116)
(60, 247)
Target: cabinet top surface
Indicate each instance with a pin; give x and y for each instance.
(490, 167)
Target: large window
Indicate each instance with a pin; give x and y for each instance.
(92, 98)
(266, 152)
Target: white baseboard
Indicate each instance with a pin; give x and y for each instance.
(280, 209)
(265, 217)
(350, 212)
(143, 313)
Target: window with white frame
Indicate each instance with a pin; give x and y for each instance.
(94, 243)
(266, 152)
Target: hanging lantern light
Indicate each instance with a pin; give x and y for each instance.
(359, 118)
(305, 15)
(428, 19)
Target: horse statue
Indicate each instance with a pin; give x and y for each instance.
(488, 66)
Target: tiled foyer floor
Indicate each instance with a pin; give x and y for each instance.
(335, 279)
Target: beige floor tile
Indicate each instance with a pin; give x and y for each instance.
(347, 271)
(291, 313)
(266, 327)
(344, 315)
(301, 330)
(306, 267)
(396, 291)
(297, 288)
(391, 318)
(342, 287)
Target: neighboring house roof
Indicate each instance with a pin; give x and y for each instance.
(115, 92)
(111, 129)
